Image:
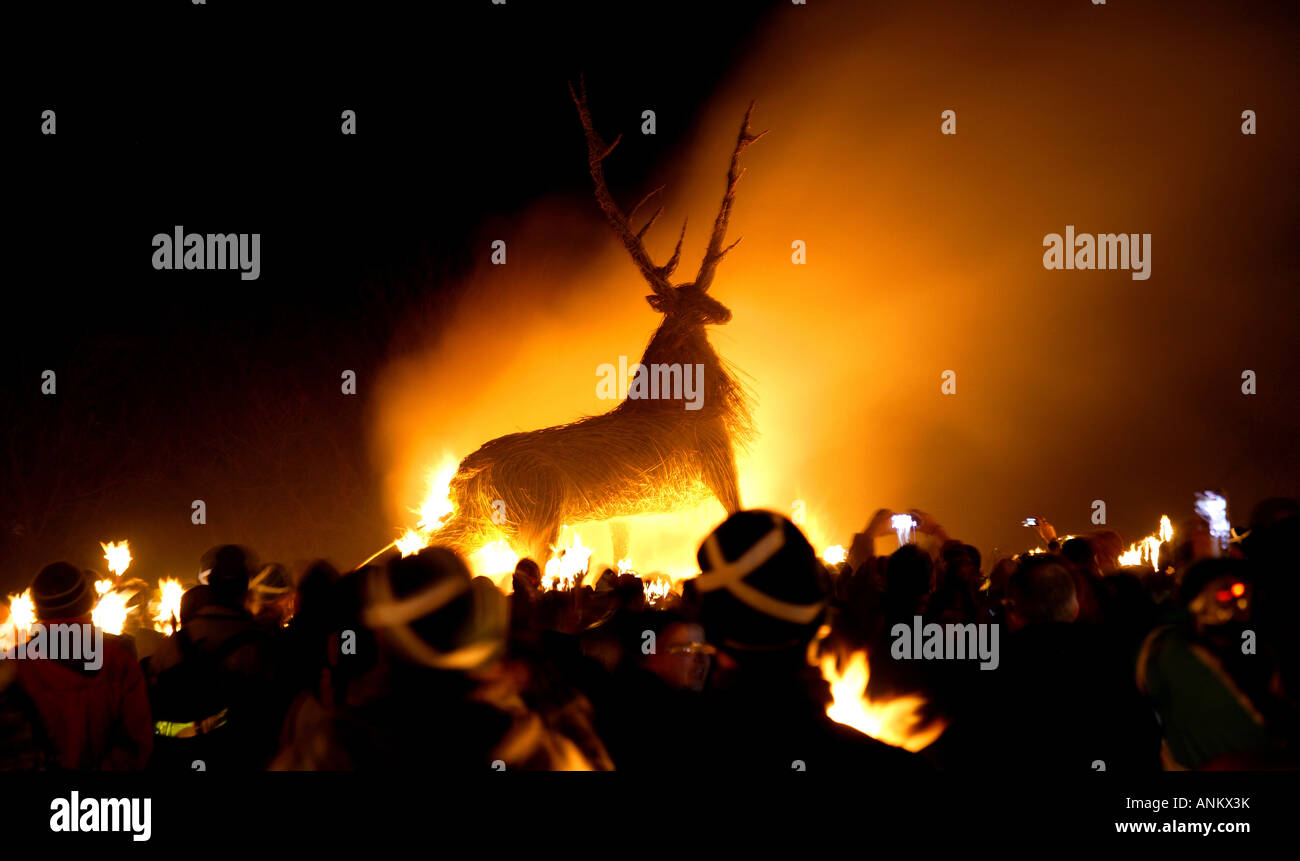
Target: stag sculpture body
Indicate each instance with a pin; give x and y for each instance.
(646, 455)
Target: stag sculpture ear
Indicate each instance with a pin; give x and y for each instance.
(659, 303)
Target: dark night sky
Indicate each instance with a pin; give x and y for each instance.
(177, 386)
(210, 387)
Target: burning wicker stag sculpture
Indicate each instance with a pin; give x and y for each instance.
(644, 456)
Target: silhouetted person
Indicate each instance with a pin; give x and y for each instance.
(436, 700)
(96, 717)
(1212, 698)
(655, 702)
(213, 683)
(24, 744)
(1063, 695)
(763, 595)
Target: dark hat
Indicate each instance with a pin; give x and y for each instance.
(431, 612)
(228, 563)
(761, 584)
(228, 569)
(62, 591)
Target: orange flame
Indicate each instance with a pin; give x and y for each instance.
(111, 611)
(411, 542)
(167, 617)
(1147, 551)
(22, 615)
(437, 505)
(897, 721)
(118, 556)
(567, 568)
(656, 589)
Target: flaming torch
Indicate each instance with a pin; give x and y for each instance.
(656, 589)
(1147, 551)
(167, 618)
(567, 568)
(111, 611)
(434, 510)
(897, 721)
(22, 615)
(118, 556)
(410, 543)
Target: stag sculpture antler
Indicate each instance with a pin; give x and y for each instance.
(647, 455)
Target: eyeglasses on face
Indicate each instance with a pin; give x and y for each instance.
(692, 649)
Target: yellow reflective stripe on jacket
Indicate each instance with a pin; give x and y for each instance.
(189, 729)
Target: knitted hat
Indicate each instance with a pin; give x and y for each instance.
(761, 584)
(61, 591)
(432, 613)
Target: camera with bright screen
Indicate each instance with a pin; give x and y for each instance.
(904, 526)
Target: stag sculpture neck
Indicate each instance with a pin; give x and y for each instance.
(646, 455)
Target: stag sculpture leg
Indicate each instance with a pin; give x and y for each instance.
(619, 533)
(718, 471)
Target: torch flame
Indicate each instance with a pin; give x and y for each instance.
(835, 554)
(656, 589)
(433, 511)
(167, 619)
(412, 542)
(566, 568)
(437, 505)
(22, 615)
(1147, 551)
(118, 555)
(1151, 551)
(111, 611)
(897, 721)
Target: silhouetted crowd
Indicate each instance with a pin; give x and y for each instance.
(1186, 663)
